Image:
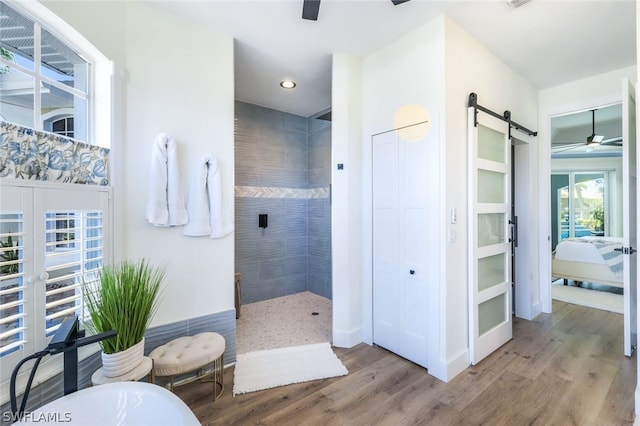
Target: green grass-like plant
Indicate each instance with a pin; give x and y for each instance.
(9, 256)
(124, 299)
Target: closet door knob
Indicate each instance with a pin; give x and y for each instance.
(412, 272)
(43, 276)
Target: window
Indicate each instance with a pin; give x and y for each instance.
(12, 324)
(52, 238)
(580, 204)
(78, 259)
(40, 77)
(63, 126)
(50, 73)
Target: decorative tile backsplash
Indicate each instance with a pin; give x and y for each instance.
(36, 155)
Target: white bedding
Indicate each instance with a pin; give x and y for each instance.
(577, 251)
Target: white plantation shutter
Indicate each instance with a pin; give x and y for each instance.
(62, 236)
(12, 290)
(73, 255)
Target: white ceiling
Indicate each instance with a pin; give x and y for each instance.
(549, 42)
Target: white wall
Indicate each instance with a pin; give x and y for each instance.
(409, 71)
(346, 203)
(470, 67)
(177, 78)
(436, 67)
(600, 90)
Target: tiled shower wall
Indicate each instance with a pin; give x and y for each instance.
(319, 209)
(282, 169)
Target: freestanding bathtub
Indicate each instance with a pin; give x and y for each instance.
(112, 404)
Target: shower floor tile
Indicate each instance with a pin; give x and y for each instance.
(284, 321)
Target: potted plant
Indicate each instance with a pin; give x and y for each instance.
(124, 299)
(9, 256)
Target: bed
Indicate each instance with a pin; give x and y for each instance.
(589, 259)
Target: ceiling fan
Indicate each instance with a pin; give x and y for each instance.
(310, 8)
(592, 140)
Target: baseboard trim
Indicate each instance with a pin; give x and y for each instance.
(347, 339)
(446, 371)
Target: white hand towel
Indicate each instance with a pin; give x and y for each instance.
(207, 212)
(165, 204)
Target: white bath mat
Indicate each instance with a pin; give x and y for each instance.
(271, 368)
(592, 298)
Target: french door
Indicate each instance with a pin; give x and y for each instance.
(490, 311)
(629, 215)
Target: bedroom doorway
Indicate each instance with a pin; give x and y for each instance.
(609, 150)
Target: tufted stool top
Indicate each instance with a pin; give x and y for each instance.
(187, 353)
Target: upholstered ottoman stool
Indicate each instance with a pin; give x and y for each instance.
(191, 353)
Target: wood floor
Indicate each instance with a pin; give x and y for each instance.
(560, 369)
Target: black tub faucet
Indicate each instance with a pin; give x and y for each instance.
(67, 339)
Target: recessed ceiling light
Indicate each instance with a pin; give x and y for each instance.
(288, 84)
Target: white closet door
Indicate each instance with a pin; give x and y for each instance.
(400, 220)
(385, 240)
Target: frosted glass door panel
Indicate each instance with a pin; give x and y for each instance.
(491, 229)
(491, 271)
(491, 144)
(491, 313)
(490, 187)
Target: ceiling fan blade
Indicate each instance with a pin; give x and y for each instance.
(556, 149)
(310, 9)
(567, 144)
(612, 142)
(397, 2)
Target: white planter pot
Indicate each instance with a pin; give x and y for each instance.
(119, 363)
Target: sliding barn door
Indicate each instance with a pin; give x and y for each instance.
(490, 312)
(629, 214)
(400, 245)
